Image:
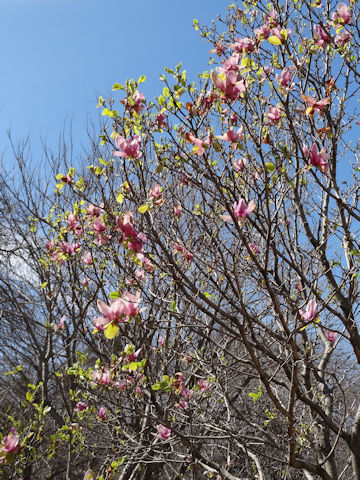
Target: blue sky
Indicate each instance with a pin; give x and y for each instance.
(59, 55)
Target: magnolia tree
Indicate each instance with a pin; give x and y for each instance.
(208, 260)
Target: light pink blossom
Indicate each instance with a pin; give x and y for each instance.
(240, 211)
(231, 84)
(102, 413)
(310, 312)
(163, 432)
(128, 148)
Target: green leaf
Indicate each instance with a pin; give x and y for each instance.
(111, 330)
(274, 40)
(120, 198)
(114, 295)
(29, 396)
(142, 79)
(117, 86)
(270, 167)
(43, 285)
(143, 208)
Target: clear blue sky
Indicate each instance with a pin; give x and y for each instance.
(57, 56)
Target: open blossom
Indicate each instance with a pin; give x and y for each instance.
(9, 445)
(231, 83)
(102, 413)
(341, 39)
(240, 211)
(200, 145)
(81, 406)
(274, 115)
(135, 103)
(233, 136)
(128, 148)
(317, 159)
(120, 310)
(177, 210)
(87, 258)
(285, 81)
(230, 64)
(255, 249)
(160, 120)
(342, 16)
(322, 38)
(239, 164)
(243, 45)
(315, 105)
(94, 211)
(163, 432)
(156, 195)
(310, 312)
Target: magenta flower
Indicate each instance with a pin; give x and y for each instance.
(231, 83)
(163, 432)
(342, 16)
(322, 37)
(230, 64)
(156, 195)
(135, 103)
(233, 137)
(240, 211)
(243, 45)
(255, 249)
(331, 336)
(128, 148)
(160, 120)
(81, 406)
(87, 258)
(274, 115)
(94, 211)
(341, 39)
(310, 312)
(177, 210)
(317, 159)
(200, 145)
(239, 164)
(102, 413)
(315, 105)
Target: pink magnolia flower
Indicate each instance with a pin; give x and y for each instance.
(11, 443)
(239, 164)
(255, 249)
(310, 312)
(322, 37)
(233, 137)
(156, 195)
(94, 211)
(331, 336)
(243, 45)
(160, 120)
(240, 211)
(230, 64)
(317, 159)
(85, 281)
(341, 39)
(231, 83)
(73, 224)
(262, 33)
(102, 377)
(163, 432)
(315, 105)
(135, 103)
(280, 34)
(120, 310)
(200, 145)
(342, 16)
(81, 406)
(61, 325)
(274, 115)
(102, 413)
(161, 341)
(128, 148)
(87, 258)
(186, 254)
(177, 210)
